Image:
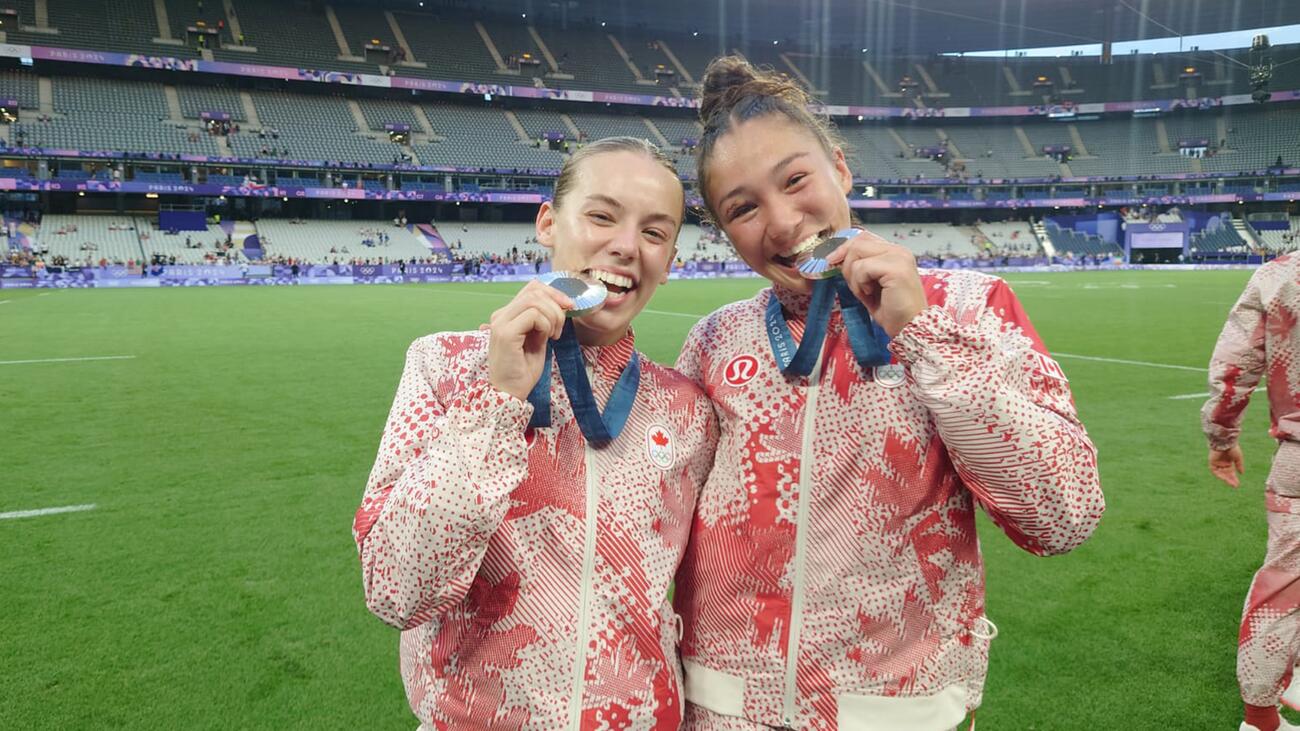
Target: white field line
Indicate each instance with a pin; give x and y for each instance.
(1185, 396)
(1121, 361)
(44, 294)
(5, 302)
(673, 314)
(46, 511)
(66, 360)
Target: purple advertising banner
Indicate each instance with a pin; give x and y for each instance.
(531, 92)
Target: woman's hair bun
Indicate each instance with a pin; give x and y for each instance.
(729, 79)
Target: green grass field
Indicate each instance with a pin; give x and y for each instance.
(216, 584)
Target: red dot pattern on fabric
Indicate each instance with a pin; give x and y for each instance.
(471, 535)
(894, 586)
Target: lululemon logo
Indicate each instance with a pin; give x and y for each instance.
(740, 370)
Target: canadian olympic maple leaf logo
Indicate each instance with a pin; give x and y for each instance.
(659, 446)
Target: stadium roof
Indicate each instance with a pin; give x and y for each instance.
(896, 26)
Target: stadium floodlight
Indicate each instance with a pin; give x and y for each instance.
(1261, 69)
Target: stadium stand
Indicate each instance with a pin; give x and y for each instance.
(1067, 240)
(107, 114)
(597, 126)
(488, 239)
(182, 14)
(1125, 147)
(1011, 236)
(589, 56)
(1276, 240)
(204, 245)
(90, 238)
(538, 122)
(300, 35)
(107, 25)
(480, 136)
(288, 35)
(378, 112)
(449, 45)
(312, 241)
(1219, 238)
(198, 99)
(362, 25)
(310, 127)
(1256, 139)
(342, 125)
(21, 84)
(930, 238)
(677, 129)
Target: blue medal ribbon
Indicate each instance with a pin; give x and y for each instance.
(600, 428)
(868, 340)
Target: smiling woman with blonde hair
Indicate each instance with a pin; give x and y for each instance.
(533, 491)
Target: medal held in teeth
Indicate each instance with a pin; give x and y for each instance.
(587, 293)
(811, 258)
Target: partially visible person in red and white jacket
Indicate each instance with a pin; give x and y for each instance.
(834, 578)
(1261, 337)
(529, 567)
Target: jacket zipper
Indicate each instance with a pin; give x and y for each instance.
(790, 710)
(588, 569)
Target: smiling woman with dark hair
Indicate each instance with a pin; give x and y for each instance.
(834, 578)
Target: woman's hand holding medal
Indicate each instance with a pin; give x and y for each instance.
(884, 277)
(518, 335)
(520, 331)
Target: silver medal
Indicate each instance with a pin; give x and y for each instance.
(812, 263)
(587, 293)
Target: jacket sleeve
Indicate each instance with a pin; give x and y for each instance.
(437, 492)
(1005, 413)
(1236, 367)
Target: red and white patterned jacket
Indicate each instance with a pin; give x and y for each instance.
(834, 578)
(1263, 321)
(501, 554)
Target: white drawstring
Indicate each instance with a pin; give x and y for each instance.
(987, 634)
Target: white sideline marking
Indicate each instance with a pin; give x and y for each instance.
(66, 360)
(44, 294)
(1130, 362)
(673, 314)
(5, 302)
(475, 294)
(1126, 285)
(1198, 395)
(46, 511)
